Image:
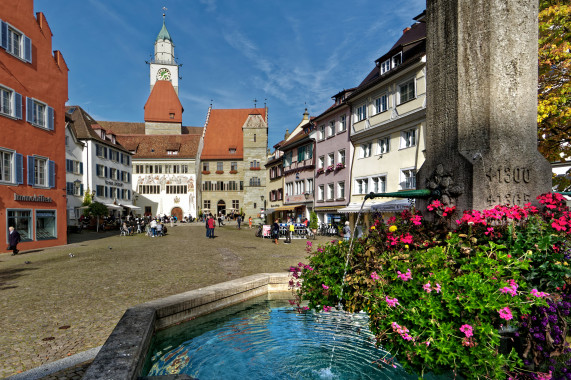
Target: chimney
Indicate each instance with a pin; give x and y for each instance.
(405, 29)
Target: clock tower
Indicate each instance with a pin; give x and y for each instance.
(163, 65)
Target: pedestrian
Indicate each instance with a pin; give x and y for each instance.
(250, 222)
(275, 230)
(239, 220)
(207, 228)
(172, 221)
(13, 240)
(220, 224)
(346, 231)
(153, 228)
(211, 226)
(290, 228)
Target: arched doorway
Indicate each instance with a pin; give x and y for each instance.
(221, 207)
(177, 211)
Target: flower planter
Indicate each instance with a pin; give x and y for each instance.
(233, 171)
(219, 171)
(258, 168)
(206, 172)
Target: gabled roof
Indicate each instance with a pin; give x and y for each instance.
(163, 101)
(157, 146)
(129, 128)
(83, 126)
(295, 141)
(224, 131)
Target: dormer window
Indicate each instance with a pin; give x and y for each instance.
(232, 150)
(385, 66)
(171, 115)
(102, 134)
(172, 152)
(396, 60)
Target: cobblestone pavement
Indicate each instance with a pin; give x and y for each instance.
(60, 301)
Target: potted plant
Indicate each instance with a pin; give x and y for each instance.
(313, 223)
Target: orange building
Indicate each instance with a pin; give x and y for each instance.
(33, 92)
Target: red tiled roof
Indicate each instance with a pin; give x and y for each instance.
(156, 146)
(128, 128)
(163, 101)
(224, 131)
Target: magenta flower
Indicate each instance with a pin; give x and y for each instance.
(537, 294)
(375, 276)
(427, 287)
(512, 289)
(405, 276)
(416, 220)
(406, 239)
(505, 313)
(392, 302)
(325, 286)
(467, 330)
(327, 308)
(437, 288)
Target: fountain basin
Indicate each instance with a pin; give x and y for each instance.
(123, 354)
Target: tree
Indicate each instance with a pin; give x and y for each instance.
(313, 220)
(97, 209)
(554, 92)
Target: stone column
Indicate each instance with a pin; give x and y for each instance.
(482, 102)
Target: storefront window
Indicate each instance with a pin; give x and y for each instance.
(21, 220)
(46, 226)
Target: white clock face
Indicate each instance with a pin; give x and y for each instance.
(163, 74)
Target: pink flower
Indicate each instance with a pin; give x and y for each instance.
(306, 308)
(402, 331)
(416, 220)
(467, 330)
(327, 308)
(434, 205)
(512, 289)
(392, 302)
(427, 287)
(406, 239)
(375, 276)
(505, 313)
(437, 288)
(325, 286)
(405, 276)
(537, 294)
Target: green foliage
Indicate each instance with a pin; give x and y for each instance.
(97, 209)
(313, 220)
(436, 297)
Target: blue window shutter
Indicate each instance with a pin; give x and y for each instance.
(31, 170)
(19, 169)
(69, 188)
(106, 173)
(81, 168)
(51, 120)
(29, 110)
(52, 174)
(27, 49)
(105, 152)
(18, 108)
(81, 189)
(3, 35)
(106, 192)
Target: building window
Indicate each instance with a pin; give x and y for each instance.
(236, 204)
(300, 153)
(321, 132)
(383, 145)
(406, 91)
(158, 169)
(220, 166)
(361, 186)
(381, 104)
(309, 185)
(320, 192)
(341, 157)
(341, 190)
(408, 138)
(396, 60)
(299, 187)
(379, 184)
(184, 169)
(342, 123)
(46, 226)
(176, 169)
(38, 113)
(254, 164)
(172, 152)
(100, 190)
(206, 204)
(149, 189)
(205, 167)
(232, 185)
(40, 171)
(289, 188)
(113, 173)
(362, 112)
(255, 181)
(176, 189)
(331, 128)
(366, 150)
(330, 191)
(234, 166)
(10, 103)
(232, 150)
(330, 159)
(139, 169)
(408, 178)
(21, 220)
(254, 137)
(385, 66)
(6, 166)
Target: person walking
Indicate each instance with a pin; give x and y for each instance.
(211, 226)
(289, 231)
(13, 239)
(153, 228)
(207, 226)
(239, 220)
(250, 222)
(346, 231)
(276, 231)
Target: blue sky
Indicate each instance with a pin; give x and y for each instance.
(288, 53)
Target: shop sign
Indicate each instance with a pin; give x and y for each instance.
(32, 198)
(113, 183)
